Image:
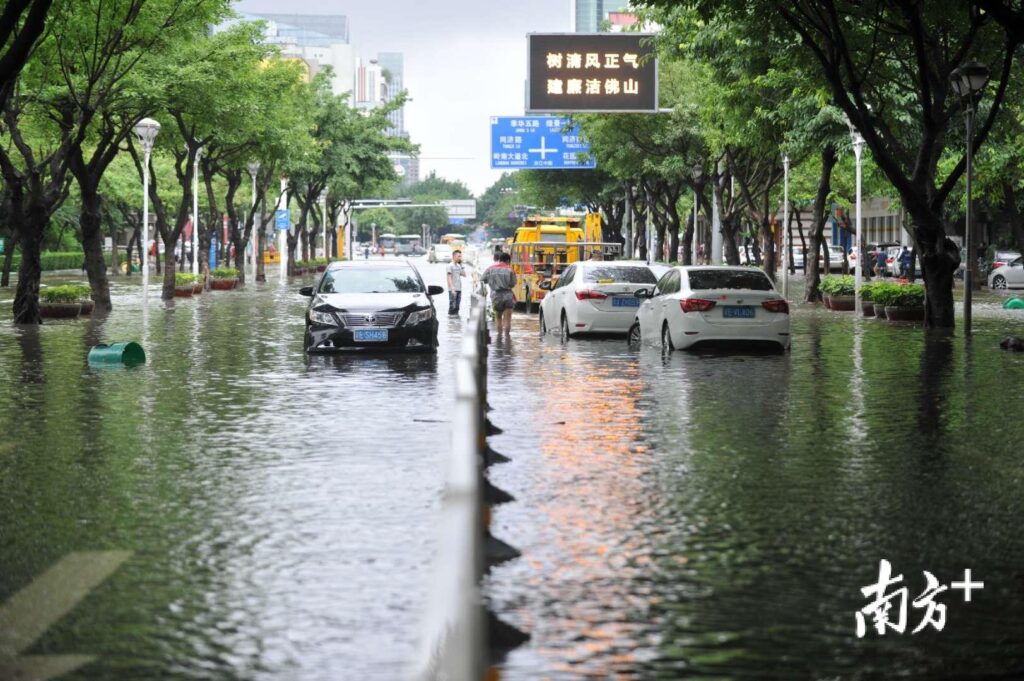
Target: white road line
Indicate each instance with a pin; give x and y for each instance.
(30, 612)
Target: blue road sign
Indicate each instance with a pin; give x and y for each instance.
(537, 142)
(281, 218)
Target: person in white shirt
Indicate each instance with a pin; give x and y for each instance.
(456, 271)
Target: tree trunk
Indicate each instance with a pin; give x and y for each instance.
(91, 220)
(811, 270)
(940, 259)
(26, 297)
(1016, 226)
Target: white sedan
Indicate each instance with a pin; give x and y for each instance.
(692, 305)
(595, 296)
(1010, 275)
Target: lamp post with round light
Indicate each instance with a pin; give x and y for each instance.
(195, 212)
(785, 224)
(968, 81)
(858, 147)
(146, 130)
(254, 168)
(697, 173)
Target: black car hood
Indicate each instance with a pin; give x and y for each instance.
(370, 302)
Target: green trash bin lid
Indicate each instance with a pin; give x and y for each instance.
(128, 353)
(1014, 304)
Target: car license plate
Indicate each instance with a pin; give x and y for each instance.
(623, 301)
(737, 311)
(370, 335)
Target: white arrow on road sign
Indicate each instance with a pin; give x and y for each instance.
(543, 151)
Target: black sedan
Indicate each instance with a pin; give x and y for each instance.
(380, 304)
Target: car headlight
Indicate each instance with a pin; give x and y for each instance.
(419, 316)
(326, 318)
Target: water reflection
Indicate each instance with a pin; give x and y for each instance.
(725, 527)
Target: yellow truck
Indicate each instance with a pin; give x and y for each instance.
(544, 246)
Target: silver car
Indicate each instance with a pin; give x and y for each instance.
(1010, 275)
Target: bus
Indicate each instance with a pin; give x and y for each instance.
(409, 244)
(387, 242)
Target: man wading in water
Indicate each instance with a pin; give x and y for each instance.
(500, 278)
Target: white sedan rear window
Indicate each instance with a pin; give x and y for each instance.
(619, 275)
(754, 280)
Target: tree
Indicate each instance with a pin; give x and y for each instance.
(887, 65)
(74, 74)
(22, 22)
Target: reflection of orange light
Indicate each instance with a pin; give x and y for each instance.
(587, 419)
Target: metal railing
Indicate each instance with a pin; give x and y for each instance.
(454, 646)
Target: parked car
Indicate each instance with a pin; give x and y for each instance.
(371, 304)
(693, 306)
(1007, 275)
(594, 297)
(835, 259)
(1001, 259)
(440, 253)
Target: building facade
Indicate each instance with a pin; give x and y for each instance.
(589, 16)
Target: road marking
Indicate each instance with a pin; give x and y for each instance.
(30, 612)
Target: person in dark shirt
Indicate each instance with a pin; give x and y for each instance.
(501, 279)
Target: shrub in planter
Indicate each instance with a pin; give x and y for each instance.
(839, 290)
(902, 302)
(69, 300)
(223, 278)
(185, 283)
(867, 298)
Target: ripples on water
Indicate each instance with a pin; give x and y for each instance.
(281, 509)
(715, 516)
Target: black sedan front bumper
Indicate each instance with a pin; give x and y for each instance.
(322, 338)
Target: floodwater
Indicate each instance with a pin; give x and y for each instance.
(716, 516)
(280, 509)
(683, 516)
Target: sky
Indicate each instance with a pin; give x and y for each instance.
(465, 61)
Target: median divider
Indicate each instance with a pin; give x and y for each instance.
(460, 636)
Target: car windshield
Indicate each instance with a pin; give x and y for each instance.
(619, 275)
(371, 280)
(753, 280)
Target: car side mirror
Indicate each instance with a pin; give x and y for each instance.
(642, 293)
(545, 285)
(306, 291)
(434, 290)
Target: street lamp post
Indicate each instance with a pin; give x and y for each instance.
(858, 146)
(697, 173)
(254, 168)
(785, 225)
(146, 131)
(323, 214)
(968, 81)
(195, 212)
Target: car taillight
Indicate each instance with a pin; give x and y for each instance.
(589, 294)
(996, 265)
(776, 306)
(696, 305)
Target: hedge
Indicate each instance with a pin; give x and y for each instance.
(58, 260)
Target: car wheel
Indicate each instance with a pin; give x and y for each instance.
(633, 337)
(666, 338)
(565, 329)
(999, 282)
(543, 324)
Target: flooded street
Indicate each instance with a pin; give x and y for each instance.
(691, 515)
(715, 516)
(279, 509)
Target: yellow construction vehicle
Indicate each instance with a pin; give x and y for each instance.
(544, 246)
